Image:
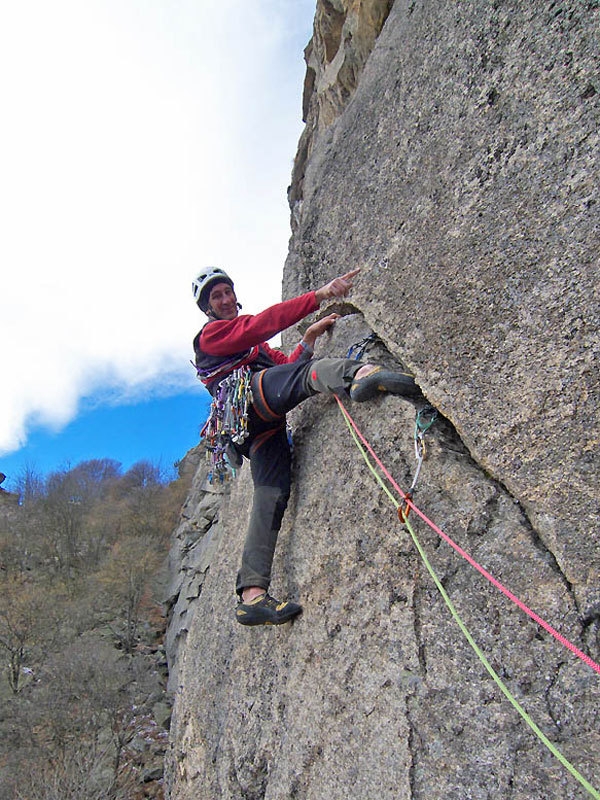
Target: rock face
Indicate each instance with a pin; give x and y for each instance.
(458, 166)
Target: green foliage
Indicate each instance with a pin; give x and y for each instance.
(81, 627)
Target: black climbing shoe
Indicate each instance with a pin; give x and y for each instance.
(383, 380)
(265, 610)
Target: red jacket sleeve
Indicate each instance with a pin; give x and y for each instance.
(223, 337)
(277, 355)
(299, 353)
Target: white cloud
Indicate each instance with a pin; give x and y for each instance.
(141, 139)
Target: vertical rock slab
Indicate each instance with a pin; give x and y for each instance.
(459, 169)
(463, 177)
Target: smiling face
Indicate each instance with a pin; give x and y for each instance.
(223, 302)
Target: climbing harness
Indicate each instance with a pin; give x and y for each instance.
(227, 424)
(357, 350)
(425, 419)
(366, 451)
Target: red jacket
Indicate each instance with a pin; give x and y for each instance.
(243, 340)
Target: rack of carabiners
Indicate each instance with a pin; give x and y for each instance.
(227, 423)
(425, 419)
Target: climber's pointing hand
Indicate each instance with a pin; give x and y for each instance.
(338, 287)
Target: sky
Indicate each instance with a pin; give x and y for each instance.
(141, 141)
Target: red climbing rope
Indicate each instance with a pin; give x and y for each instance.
(410, 505)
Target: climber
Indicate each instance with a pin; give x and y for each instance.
(230, 340)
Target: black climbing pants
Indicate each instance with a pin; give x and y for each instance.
(276, 391)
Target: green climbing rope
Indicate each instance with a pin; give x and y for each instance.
(478, 652)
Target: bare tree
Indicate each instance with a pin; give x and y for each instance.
(26, 627)
(29, 484)
(126, 577)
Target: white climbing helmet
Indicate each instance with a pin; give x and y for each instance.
(201, 285)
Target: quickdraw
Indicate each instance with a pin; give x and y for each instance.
(357, 350)
(425, 419)
(227, 424)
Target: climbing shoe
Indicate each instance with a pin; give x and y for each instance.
(383, 380)
(265, 610)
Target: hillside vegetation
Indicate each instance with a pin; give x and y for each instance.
(82, 710)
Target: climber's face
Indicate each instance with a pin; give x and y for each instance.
(223, 302)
